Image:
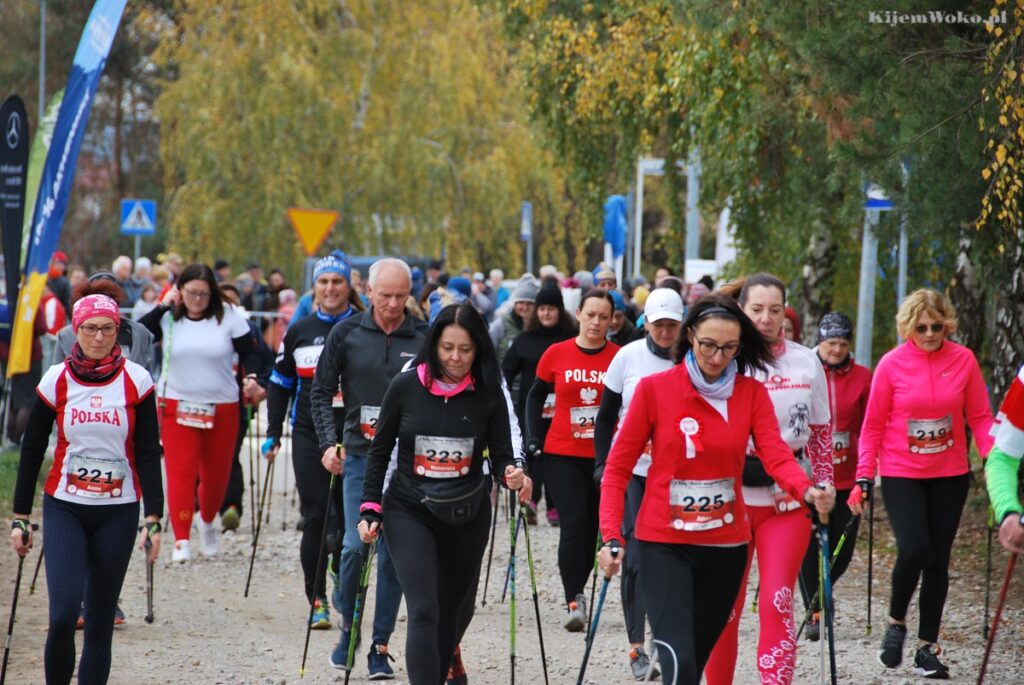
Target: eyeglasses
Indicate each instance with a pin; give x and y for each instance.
(708, 349)
(91, 330)
(197, 294)
(922, 328)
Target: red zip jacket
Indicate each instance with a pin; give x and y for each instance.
(848, 388)
(694, 499)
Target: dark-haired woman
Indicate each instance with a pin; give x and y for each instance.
(443, 413)
(574, 371)
(663, 314)
(795, 382)
(547, 324)
(107, 459)
(198, 398)
(693, 527)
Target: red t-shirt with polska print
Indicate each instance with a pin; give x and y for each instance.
(578, 378)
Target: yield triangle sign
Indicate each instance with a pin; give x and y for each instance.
(312, 226)
(137, 219)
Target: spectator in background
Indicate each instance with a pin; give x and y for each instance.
(222, 271)
(122, 270)
(483, 297)
(791, 325)
(173, 262)
(660, 273)
(143, 269)
(147, 301)
(548, 271)
(77, 274)
(254, 298)
(56, 318)
(287, 300)
(621, 331)
(58, 282)
(276, 282)
(501, 293)
(511, 320)
(162, 280)
(434, 272)
(604, 277)
(584, 280)
(417, 282)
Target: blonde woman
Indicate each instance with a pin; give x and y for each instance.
(924, 394)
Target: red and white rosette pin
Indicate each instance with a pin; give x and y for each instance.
(690, 428)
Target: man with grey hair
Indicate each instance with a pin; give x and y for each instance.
(360, 357)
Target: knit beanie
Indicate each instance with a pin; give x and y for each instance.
(526, 291)
(550, 294)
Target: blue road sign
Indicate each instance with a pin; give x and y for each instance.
(138, 217)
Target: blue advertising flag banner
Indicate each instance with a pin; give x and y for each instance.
(56, 180)
(13, 172)
(615, 224)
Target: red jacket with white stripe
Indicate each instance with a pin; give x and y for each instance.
(693, 493)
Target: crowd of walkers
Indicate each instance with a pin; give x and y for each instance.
(673, 432)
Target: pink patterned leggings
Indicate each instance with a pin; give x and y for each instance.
(781, 542)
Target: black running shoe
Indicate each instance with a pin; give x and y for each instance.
(813, 630)
(891, 653)
(927, 664)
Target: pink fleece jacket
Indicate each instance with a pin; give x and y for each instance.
(914, 422)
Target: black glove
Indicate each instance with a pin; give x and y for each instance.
(598, 475)
(533, 447)
(865, 489)
(370, 516)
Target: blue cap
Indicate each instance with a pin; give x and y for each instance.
(332, 264)
(417, 275)
(460, 285)
(620, 301)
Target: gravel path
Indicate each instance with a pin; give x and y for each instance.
(206, 632)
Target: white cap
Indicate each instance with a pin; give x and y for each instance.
(663, 303)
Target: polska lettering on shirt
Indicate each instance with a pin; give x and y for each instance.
(777, 382)
(584, 376)
(110, 416)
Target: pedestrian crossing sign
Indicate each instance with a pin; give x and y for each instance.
(138, 217)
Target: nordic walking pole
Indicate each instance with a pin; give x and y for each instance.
(826, 595)
(835, 555)
(593, 584)
(989, 522)
(39, 563)
(259, 464)
(14, 602)
(319, 561)
(357, 612)
(148, 547)
(284, 490)
(259, 526)
(511, 522)
(252, 470)
(870, 497)
(998, 616)
(533, 587)
(513, 529)
(490, 554)
(597, 615)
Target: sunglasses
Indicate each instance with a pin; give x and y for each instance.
(922, 328)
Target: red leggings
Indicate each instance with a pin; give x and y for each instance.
(781, 542)
(192, 454)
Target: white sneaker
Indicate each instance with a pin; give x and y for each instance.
(182, 552)
(209, 538)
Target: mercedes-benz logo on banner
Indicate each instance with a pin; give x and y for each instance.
(13, 130)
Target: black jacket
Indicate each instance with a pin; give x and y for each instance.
(409, 411)
(293, 369)
(365, 359)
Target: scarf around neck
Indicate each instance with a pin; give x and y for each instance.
(721, 389)
(95, 370)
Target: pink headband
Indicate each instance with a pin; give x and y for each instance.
(92, 306)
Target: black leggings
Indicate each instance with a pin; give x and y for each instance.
(313, 482)
(632, 602)
(690, 590)
(837, 521)
(90, 547)
(571, 480)
(925, 515)
(438, 566)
